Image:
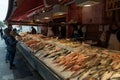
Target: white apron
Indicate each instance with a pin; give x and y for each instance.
(50, 33)
(114, 43)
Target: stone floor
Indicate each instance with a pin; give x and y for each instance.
(23, 70)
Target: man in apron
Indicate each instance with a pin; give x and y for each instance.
(114, 42)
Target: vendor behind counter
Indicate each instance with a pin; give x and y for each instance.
(114, 41)
(33, 31)
(77, 32)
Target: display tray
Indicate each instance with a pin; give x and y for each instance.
(86, 63)
(46, 72)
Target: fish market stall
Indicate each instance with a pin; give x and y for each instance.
(66, 60)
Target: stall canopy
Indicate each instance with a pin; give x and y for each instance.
(22, 10)
(26, 7)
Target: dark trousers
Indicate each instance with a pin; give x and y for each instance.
(7, 56)
(1, 35)
(11, 56)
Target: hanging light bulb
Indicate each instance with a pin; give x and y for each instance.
(87, 5)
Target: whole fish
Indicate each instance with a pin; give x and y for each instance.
(107, 75)
(76, 73)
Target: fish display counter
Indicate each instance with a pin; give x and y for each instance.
(37, 64)
(66, 60)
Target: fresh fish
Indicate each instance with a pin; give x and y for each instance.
(76, 73)
(84, 75)
(107, 75)
(90, 78)
(59, 52)
(59, 59)
(100, 73)
(46, 55)
(68, 52)
(68, 66)
(95, 74)
(77, 67)
(39, 49)
(58, 55)
(90, 59)
(55, 56)
(109, 61)
(81, 73)
(116, 66)
(93, 62)
(50, 47)
(115, 76)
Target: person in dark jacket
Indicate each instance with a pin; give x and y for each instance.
(1, 33)
(15, 31)
(6, 34)
(11, 47)
(33, 31)
(118, 34)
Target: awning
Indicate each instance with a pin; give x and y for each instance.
(26, 7)
(10, 9)
(27, 13)
(23, 10)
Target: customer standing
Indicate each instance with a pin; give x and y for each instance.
(33, 31)
(1, 33)
(11, 47)
(6, 34)
(15, 31)
(114, 41)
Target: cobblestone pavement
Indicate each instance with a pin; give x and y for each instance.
(23, 70)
